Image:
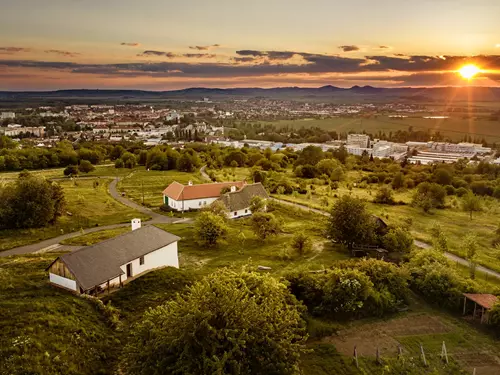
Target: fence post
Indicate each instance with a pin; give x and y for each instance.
(400, 351)
(378, 356)
(474, 373)
(423, 355)
(355, 359)
(444, 353)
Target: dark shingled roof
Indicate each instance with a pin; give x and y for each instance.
(99, 263)
(239, 200)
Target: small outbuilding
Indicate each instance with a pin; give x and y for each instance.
(483, 303)
(110, 263)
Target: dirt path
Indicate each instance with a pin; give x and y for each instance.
(52, 243)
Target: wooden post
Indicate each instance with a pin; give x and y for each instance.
(474, 372)
(444, 353)
(378, 356)
(355, 359)
(400, 351)
(108, 287)
(423, 355)
(474, 314)
(465, 303)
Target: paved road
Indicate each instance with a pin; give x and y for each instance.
(420, 244)
(52, 243)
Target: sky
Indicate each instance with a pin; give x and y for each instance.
(175, 44)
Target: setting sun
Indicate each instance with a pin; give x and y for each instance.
(469, 71)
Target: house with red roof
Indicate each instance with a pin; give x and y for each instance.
(181, 197)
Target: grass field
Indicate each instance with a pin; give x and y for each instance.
(95, 237)
(244, 248)
(88, 207)
(152, 183)
(100, 170)
(455, 127)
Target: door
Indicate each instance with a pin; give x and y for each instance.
(129, 270)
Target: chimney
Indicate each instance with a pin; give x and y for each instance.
(136, 224)
(233, 189)
(190, 183)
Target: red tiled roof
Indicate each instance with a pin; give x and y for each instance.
(178, 191)
(484, 300)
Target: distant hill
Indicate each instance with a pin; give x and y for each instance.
(324, 92)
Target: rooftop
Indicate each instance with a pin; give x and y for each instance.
(484, 300)
(239, 200)
(178, 191)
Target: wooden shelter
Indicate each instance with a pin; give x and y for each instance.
(485, 302)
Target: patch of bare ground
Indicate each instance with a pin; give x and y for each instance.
(367, 337)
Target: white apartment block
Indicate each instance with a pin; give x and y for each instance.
(362, 140)
(6, 115)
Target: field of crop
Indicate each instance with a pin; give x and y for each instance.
(141, 183)
(87, 206)
(455, 127)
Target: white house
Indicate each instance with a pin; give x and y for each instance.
(237, 202)
(193, 197)
(110, 263)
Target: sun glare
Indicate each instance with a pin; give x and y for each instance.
(469, 71)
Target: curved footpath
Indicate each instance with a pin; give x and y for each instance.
(53, 243)
(420, 244)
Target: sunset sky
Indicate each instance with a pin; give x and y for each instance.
(172, 44)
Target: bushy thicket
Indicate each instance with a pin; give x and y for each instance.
(434, 277)
(352, 289)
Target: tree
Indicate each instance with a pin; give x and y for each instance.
(384, 196)
(85, 166)
(30, 202)
(398, 240)
(398, 181)
(186, 163)
(71, 170)
(209, 229)
(301, 243)
(349, 222)
(117, 152)
(227, 323)
(119, 163)
(429, 195)
(129, 160)
(471, 203)
(327, 166)
(443, 176)
(257, 204)
(310, 155)
(470, 248)
(217, 208)
(265, 225)
(439, 239)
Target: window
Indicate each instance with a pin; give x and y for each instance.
(235, 213)
(246, 211)
(141, 261)
(199, 203)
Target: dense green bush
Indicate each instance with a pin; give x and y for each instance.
(228, 323)
(352, 289)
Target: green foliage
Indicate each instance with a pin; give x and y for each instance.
(398, 181)
(129, 160)
(301, 243)
(264, 225)
(429, 196)
(495, 317)
(384, 195)
(31, 202)
(257, 204)
(433, 276)
(209, 229)
(71, 170)
(349, 222)
(398, 240)
(439, 239)
(327, 166)
(470, 245)
(85, 166)
(119, 163)
(228, 323)
(364, 288)
(471, 203)
(217, 208)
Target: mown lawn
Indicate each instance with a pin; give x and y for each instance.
(100, 170)
(86, 207)
(141, 183)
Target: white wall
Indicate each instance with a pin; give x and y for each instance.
(62, 281)
(194, 204)
(239, 213)
(166, 256)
